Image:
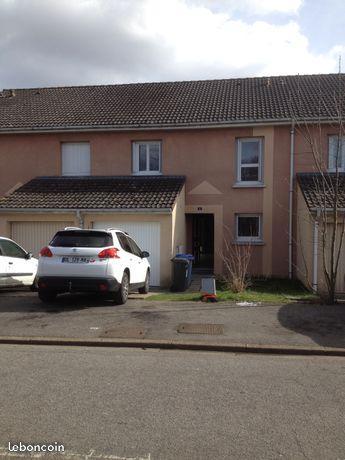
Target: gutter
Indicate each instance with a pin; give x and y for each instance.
(206, 125)
(80, 218)
(315, 252)
(93, 211)
(317, 210)
(292, 152)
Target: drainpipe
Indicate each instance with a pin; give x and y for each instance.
(79, 218)
(292, 151)
(315, 251)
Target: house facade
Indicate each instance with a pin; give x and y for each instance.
(181, 166)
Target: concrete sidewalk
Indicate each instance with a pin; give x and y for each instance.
(290, 326)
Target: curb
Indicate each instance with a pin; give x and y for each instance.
(175, 345)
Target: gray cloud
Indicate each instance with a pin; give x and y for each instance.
(49, 43)
(74, 42)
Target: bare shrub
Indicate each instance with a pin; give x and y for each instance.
(236, 258)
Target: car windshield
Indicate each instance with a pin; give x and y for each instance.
(82, 239)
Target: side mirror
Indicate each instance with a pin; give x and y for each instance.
(28, 255)
(145, 254)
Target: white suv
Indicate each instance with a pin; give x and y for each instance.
(17, 266)
(102, 261)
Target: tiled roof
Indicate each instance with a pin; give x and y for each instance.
(96, 192)
(318, 190)
(171, 104)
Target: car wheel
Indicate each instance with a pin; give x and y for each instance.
(145, 289)
(46, 295)
(121, 295)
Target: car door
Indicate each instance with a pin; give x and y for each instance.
(3, 268)
(140, 263)
(20, 269)
(127, 255)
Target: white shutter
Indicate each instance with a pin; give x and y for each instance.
(76, 159)
(33, 236)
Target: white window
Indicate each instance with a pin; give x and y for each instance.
(249, 160)
(336, 153)
(147, 157)
(76, 159)
(248, 227)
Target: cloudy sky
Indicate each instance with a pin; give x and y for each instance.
(72, 42)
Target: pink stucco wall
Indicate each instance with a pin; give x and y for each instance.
(200, 155)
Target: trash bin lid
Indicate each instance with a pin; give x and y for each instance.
(184, 256)
(180, 260)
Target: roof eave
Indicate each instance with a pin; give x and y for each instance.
(318, 208)
(88, 210)
(206, 125)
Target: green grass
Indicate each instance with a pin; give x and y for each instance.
(269, 290)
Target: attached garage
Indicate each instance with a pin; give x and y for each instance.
(33, 236)
(150, 208)
(147, 235)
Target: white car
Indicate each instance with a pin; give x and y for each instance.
(100, 261)
(17, 266)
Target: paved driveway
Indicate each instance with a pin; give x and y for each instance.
(79, 316)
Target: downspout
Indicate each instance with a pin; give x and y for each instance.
(315, 252)
(79, 218)
(292, 154)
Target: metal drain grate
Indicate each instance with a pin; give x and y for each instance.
(209, 329)
(124, 333)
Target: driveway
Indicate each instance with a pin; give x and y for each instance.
(79, 316)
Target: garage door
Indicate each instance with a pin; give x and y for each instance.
(33, 236)
(147, 235)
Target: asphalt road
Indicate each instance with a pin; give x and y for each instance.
(132, 403)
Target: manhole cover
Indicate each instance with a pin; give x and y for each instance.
(124, 333)
(210, 329)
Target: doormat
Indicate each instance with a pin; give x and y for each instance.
(124, 333)
(195, 328)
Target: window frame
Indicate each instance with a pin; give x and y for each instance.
(64, 174)
(135, 158)
(12, 243)
(125, 245)
(342, 153)
(248, 239)
(135, 248)
(240, 165)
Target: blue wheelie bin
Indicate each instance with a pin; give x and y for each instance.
(185, 264)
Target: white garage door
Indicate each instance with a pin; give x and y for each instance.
(33, 236)
(147, 235)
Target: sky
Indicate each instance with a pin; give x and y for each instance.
(81, 42)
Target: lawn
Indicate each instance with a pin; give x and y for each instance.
(271, 290)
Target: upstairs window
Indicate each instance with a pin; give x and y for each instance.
(76, 159)
(249, 160)
(248, 227)
(147, 157)
(336, 153)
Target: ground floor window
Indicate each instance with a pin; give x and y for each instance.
(248, 227)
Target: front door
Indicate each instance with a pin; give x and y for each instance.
(203, 241)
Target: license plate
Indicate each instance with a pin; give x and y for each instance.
(75, 260)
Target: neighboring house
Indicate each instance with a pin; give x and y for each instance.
(179, 165)
(315, 202)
